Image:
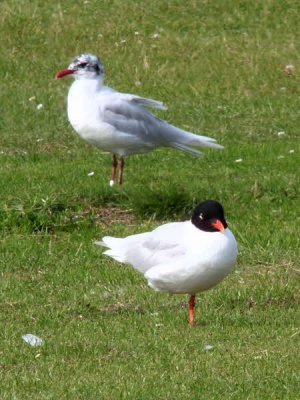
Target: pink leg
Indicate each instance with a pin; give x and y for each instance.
(114, 170)
(191, 309)
(121, 171)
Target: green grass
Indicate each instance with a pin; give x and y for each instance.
(219, 67)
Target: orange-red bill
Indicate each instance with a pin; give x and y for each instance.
(64, 72)
(218, 225)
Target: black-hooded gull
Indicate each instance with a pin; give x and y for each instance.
(181, 257)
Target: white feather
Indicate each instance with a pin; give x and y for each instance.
(177, 257)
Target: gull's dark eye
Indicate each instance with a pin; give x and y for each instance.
(82, 64)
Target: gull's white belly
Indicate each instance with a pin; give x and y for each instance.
(84, 118)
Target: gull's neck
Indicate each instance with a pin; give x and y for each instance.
(88, 85)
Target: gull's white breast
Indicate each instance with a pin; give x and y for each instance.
(208, 259)
(84, 114)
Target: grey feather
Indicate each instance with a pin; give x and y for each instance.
(101, 244)
(133, 119)
(187, 149)
(143, 101)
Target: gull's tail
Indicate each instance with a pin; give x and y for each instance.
(114, 247)
(187, 149)
(186, 141)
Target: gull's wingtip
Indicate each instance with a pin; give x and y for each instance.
(163, 107)
(100, 243)
(218, 146)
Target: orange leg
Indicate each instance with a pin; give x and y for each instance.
(191, 309)
(121, 171)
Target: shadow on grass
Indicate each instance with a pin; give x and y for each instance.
(111, 205)
(90, 311)
(156, 203)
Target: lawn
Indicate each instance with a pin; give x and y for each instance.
(220, 67)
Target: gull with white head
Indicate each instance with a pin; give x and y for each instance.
(118, 122)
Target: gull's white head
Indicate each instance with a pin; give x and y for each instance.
(84, 66)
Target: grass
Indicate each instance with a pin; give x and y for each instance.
(219, 67)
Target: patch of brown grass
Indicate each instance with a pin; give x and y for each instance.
(106, 216)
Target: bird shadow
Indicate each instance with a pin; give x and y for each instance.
(154, 202)
(123, 309)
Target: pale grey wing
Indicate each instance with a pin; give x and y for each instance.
(145, 250)
(153, 252)
(145, 102)
(133, 119)
(161, 245)
(142, 251)
(130, 118)
(132, 98)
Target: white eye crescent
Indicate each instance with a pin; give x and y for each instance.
(201, 216)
